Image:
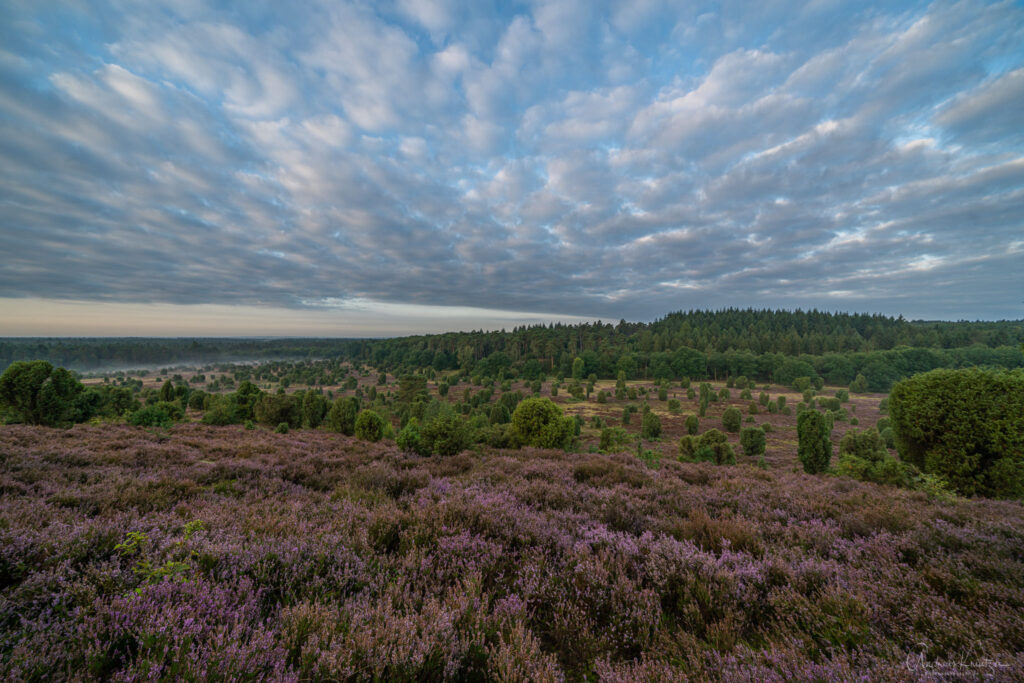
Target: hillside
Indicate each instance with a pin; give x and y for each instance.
(224, 553)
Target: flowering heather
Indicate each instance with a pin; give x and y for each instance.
(320, 557)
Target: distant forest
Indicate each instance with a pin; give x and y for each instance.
(763, 344)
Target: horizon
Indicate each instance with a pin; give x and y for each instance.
(373, 170)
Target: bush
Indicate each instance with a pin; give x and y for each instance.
(650, 426)
(843, 395)
(859, 385)
(662, 394)
(763, 399)
(151, 416)
(602, 397)
(613, 439)
(446, 434)
(767, 427)
(282, 428)
(753, 409)
(411, 440)
(626, 412)
(692, 424)
(341, 418)
(732, 419)
(753, 441)
(369, 426)
(966, 426)
(712, 446)
(539, 422)
(674, 406)
(814, 448)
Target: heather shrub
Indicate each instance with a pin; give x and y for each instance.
(753, 441)
(692, 424)
(650, 426)
(814, 448)
(732, 419)
(369, 426)
(966, 426)
(539, 422)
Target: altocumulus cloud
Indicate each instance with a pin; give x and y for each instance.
(561, 157)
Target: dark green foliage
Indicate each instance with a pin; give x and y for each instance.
(814, 448)
(712, 446)
(763, 399)
(613, 439)
(273, 409)
(863, 456)
(281, 428)
(167, 391)
(843, 395)
(674, 406)
(539, 422)
(650, 426)
(410, 439)
(692, 424)
(859, 385)
(412, 388)
(802, 384)
(753, 409)
(369, 426)
(966, 426)
(35, 392)
(155, 415)
(341, 417)
(626, 412)
(447, 434)
(602, 397)
(662, 394)
(314, 408)
(753, 441)
(732, 419)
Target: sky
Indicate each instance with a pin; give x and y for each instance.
(350, 169)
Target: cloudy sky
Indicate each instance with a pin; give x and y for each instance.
(339, 168)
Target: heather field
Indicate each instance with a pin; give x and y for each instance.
(217, 553)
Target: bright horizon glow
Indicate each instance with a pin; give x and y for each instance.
(67, 318)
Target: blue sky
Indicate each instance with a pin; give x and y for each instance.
(340, 168)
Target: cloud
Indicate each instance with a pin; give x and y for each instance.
(555, 156)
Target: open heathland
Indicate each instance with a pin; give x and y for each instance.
(220, 553)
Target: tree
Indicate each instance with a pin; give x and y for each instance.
(966, 426)
(539, 422)
(753, 441)
(578, 367)
(732, 419)
(814, 446)
(341, 418)
(314, 407)
(37, 393)
(650, 426)
(859, 384)
(167, 391)
(369, 426)
(447, 434)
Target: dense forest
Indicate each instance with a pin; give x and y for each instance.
(767, 345)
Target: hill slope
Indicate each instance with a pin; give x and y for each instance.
(319, 557)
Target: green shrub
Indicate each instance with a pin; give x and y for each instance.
(650, 426)
(767, 427)
(712, 446)
(690, 393)
(369, 426)
(763, 399)
(674, 406)
(692, 424)
(732, 419)
(742, 382)
(662, 394)
(753, 441)
(966, 426)
(859, 385)
(753, 409)
(151, 416)
(843, 395)
(602, 397)
(746, 395)
(724, 394)
(341, 418)
(781, 401)
(411, 440)
(447, 434)
(814, 448)
(613, 439)
(539, 422)
(281, 428)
